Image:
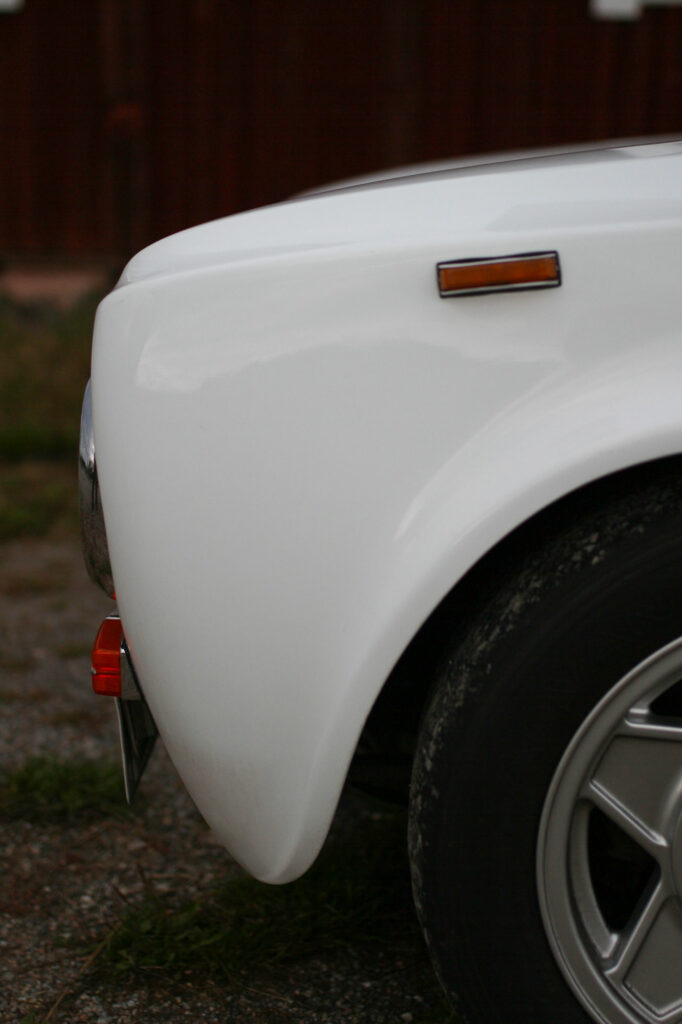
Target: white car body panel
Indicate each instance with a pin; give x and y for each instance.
(302, 448)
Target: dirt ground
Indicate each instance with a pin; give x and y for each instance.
(64, 887)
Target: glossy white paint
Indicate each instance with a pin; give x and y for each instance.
(302, 448)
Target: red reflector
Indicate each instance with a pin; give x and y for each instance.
(106, 658)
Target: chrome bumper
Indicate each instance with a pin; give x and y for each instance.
(93, 533)
(137, 729)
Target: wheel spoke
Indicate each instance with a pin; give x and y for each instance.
(638, 781)
(649, 962)
(644, 727)
(649, 839)
(635, 937)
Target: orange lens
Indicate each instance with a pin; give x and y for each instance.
(531, 270)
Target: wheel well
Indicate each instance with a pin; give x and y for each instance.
(383, 758)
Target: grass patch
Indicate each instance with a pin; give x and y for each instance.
(357, 893)
(44, 364)
(37, 498)
(47, 790)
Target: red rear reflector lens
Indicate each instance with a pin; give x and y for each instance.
(106, 658)
(499, 274)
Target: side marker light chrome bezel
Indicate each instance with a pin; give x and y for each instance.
(488, 274)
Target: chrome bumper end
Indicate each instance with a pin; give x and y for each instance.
(93, 533)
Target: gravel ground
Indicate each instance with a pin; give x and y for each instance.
(62, 888)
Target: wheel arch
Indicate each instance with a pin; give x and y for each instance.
(399, 706)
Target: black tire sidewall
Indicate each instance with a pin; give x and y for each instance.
(564, 629)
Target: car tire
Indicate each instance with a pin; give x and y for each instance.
(546, 795)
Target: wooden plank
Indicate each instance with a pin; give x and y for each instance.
(124, 120)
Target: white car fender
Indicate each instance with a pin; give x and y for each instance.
(302, 448)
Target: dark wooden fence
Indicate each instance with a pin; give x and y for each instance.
(123, 120)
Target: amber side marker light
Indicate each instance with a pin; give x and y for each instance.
(499, 274)
(106, 658)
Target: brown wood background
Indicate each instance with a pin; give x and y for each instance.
(123, 120)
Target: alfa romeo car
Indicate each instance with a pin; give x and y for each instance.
(387, 481)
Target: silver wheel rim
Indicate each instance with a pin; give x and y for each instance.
(614, 922)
